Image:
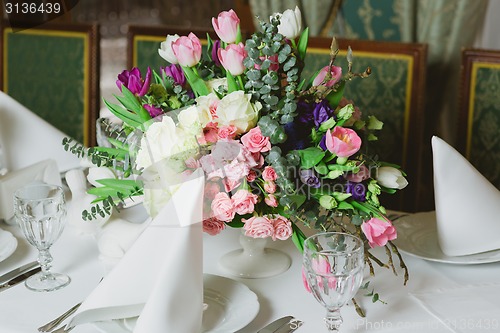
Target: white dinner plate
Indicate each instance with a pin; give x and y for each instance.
(417, 236)
(8, 244)
(231, 306)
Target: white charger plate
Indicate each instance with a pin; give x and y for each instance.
(231, 306)
(417, 236)
(8, 244)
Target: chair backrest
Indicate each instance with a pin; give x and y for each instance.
(53, 70)
(479, 107)
(394, 93)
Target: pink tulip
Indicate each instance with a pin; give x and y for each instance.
(336, 74)
(232, 57)
(378, 232)
(343, 142)
(187, 50)
(226, 26)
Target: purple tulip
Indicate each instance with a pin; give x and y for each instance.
(358, 190)
(176, 73)
(322, 112)
(153, 110)
(309, 178)
(134, 82)
(215, 49)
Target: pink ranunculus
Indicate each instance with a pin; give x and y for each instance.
(227, 132)
(343, 142)
(226, 26)
(258, 227)
(358, 177)
(232, 57)
(282, 227)
(255, 142)
(378, 232)
(244, 202)
(222, 207)
(271, 200)
(336, 74)
(212, 226)
(269, 174)
(187, 50)
(270, 187)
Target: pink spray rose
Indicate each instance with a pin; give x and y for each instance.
(282, 227)
(227, 132)
(252, 175)
(187, 50)
(358, 177)
(271, 200)
(378, 232)
(258, 227)
(269, 174)
(222, 207)
(255, 142)
(343, 142)
(226, 26)
(212, 226)
(244, 202)
(232, 57)
(336, 74)
(270, 187)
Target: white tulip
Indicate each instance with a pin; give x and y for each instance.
(391, 178)
(166, 51)
(290, 23)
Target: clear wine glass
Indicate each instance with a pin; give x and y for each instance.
(333, 264)
(40, 210)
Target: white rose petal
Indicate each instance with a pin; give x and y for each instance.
(236, 109)
(189, 120)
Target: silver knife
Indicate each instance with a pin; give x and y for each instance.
(19, 279)
(276, 325)
(18, 271)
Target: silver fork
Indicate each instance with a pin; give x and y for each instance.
(54, 323)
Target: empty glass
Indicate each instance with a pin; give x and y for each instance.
(40, 210)
(333, 265)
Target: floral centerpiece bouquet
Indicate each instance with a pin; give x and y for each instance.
(280, 152)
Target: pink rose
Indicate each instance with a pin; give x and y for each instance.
(359, 176)
(211, 190)
(187, 50)
(321, 266)
(252, 175)
(227, 132)
(226, 26)
(269, 174)
(230, 185)
(258, 227)
(222, 207)
(270, 187)
(213, 226)
(271, 200)
(232, 57)
(244, 202)
(336, 74)
(210, 133)
(343, 142)
(378, 232)
(255, 142)
(236, 170)
(249, 158)
(282, 227)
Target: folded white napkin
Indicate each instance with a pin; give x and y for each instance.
(467, 204)
(160, 278)
(45, 171)
(28, 139)
(464, 309)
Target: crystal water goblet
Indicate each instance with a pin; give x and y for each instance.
(333, 265)
(40, 210)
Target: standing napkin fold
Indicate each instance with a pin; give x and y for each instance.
(160, 278)
(467, 204)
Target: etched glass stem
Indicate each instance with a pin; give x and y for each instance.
(333, 320)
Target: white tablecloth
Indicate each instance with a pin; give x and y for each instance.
(23, 311)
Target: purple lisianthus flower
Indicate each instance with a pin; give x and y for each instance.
(309, 178)
(358, 190)
(153, 110)
(322, 112)
(134, 82)
(215, 49)
(176, 73)
(297, 135)
(322, 143)
(306, 115)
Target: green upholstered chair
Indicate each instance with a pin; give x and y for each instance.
(394, 93)
(53, 70)
(479, 121)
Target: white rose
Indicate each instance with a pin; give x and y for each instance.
(290, 23)
(391, 178)
(207, 105)
(166, 51)
(236, 109)
(189, 120)
(213, 84)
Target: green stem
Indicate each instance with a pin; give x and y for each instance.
(240, 81)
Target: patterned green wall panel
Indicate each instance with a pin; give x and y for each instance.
(45, 71)
(483, 144)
